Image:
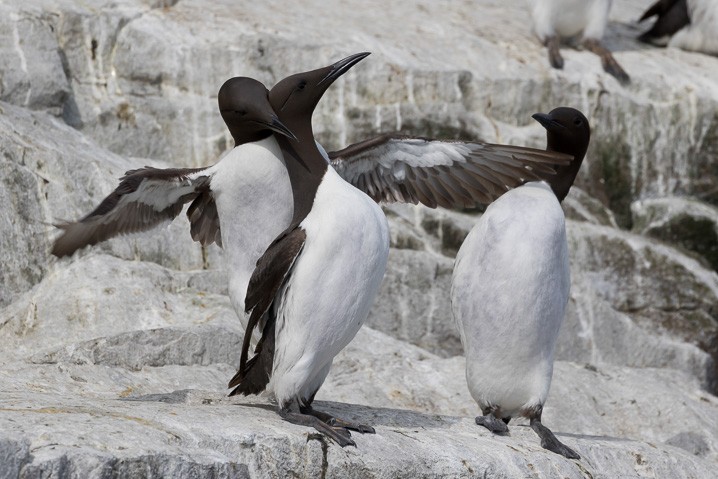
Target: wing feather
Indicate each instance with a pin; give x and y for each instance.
(144, 199)
(273, 270)
(451, 174)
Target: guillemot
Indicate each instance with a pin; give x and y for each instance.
(313, 287)
(555, 20)
(687, 24)
(510, 288)
(147, 197)
(245, 200)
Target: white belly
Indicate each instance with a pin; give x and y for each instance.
(332, 287)
(569, 18)
(509, 292)
(254, 202)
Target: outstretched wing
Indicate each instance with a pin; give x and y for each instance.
(452, 174)
(272, 272)
(145, 198)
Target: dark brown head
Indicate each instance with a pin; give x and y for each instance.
(567, 131)
(295, 97)
(294, 100)
(245, 108)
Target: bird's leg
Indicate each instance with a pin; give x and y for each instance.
(338, 434)
(554, 56)
(491, 421)
(336, 422)
(610, 65)
(548, 440)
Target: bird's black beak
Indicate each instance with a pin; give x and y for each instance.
(546, 121)
(278, 127)
(342, 66)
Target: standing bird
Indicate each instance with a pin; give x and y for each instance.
(555, 20)
(313, 287)
(245, 200)
(687, 24)
(510, 288)
(243, 190)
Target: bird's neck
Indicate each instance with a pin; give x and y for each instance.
(243, 135)
(565, 175)
(306, 167)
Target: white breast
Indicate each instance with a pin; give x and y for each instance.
(254, 202)
(332, 286)
(509, 292)
(569, 18)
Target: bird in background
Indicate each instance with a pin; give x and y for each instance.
(313, 287)
(557, 20)
(687, 24)
(510, 287)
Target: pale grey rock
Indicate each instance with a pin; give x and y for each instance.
(691, 442)
(32, 73)
(129, 346)
(462, 75)
(413, 303)
(649, 404)
(51, 173)
(93, 297)
(580, 206)
(91, 420)
(625, 307)
(684, 222)
(669, 295)
(114, 367)
(134, 350)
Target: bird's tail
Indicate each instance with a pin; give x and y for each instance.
(254, 377)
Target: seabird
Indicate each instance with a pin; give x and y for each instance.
(510, 287)
(687, 24)
(245, 200)
(555, 20)
(242, 190)
(313, 287)
(147, 197)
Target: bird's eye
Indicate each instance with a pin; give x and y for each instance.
(577, 121)
(301, 85)
(240, 112)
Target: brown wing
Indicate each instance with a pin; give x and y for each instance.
(273, 270)
(451, 174)
(204, 219)
(145, 198)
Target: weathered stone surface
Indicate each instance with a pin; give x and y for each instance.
(32, 73)
(625, 307)
(96, 418)
(115, 362)
(51, 173)
(476, 72)
(100, 296)
(667, 293)
(684, 222)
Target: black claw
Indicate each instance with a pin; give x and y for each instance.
(556, 60)
(491, 423)
(550, 442)
(335, 422)
(338, 434)
(619, 75)
(554, 55)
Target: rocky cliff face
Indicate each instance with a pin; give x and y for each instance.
(115, 361)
